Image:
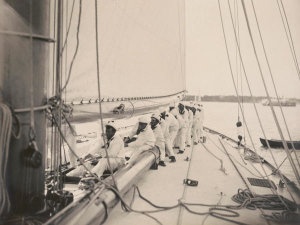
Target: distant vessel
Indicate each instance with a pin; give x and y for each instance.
(278, 143)
(282, 102)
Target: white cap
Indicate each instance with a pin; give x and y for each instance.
(112, 123)
(144, 119)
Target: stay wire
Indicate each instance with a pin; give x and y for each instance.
(227, 51)
(99, 92)
(235, 7)
(271, 74)
(253, 102)
(68, 29)
(268, 96)
(232, 76)
(288, 36)
(76, 48)
(258, 117)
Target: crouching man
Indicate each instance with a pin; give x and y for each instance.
(115, 151)
(144, 141)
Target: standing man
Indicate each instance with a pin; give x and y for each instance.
(160, 140)
(165, 126)
(195, 125)
(173, 124)
(181, 134)
(190, 124)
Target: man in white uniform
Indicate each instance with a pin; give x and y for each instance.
(181, 117)
(145, 139)
(160, 140)
(115, 151)
(165, 126)
(190, 125)
(195, 126)
(173, 124)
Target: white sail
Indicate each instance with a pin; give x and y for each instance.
(141, 49)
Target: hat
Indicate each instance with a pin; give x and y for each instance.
(144, 119)
(156, 116)
(112, 124)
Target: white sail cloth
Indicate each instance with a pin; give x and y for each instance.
(141, 45)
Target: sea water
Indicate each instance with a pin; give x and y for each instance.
(222, 117)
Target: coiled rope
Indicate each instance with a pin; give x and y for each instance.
(270, 202)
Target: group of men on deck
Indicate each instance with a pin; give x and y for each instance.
(177, 126)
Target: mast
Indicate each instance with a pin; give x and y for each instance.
(24, 44)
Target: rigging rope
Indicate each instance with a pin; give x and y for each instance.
(273, 82)
(289, 36)
(68, 29)
(231, 72)
(76, 48)
(268, 96)
(256, 111)
(99, 93)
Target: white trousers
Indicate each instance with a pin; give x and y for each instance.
(195, 133)
(173, 133)
(102, 165)
(169, 148)
(180, 138)
(80, 170)
(189, 134)
(162, 150)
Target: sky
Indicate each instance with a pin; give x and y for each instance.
(207, 67)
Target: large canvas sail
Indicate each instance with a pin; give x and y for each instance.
(141, 49)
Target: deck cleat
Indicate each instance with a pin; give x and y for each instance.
(190, 182)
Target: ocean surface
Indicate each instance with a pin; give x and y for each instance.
(222, 117)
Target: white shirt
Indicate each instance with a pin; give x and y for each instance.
(114, 150)
(171, 122)
(160, 140)
(145, 137)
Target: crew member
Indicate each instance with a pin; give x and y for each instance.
(165, 126)
(181, 134)
(115, 151)
(144, 141)
(160, 140)
(190, 124)
(173, 125)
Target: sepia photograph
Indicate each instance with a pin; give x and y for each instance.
(149, 112)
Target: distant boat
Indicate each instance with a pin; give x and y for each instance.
(282, 102)
(278, 143)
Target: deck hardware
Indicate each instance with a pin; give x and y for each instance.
(261, 183)
(190, 182)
